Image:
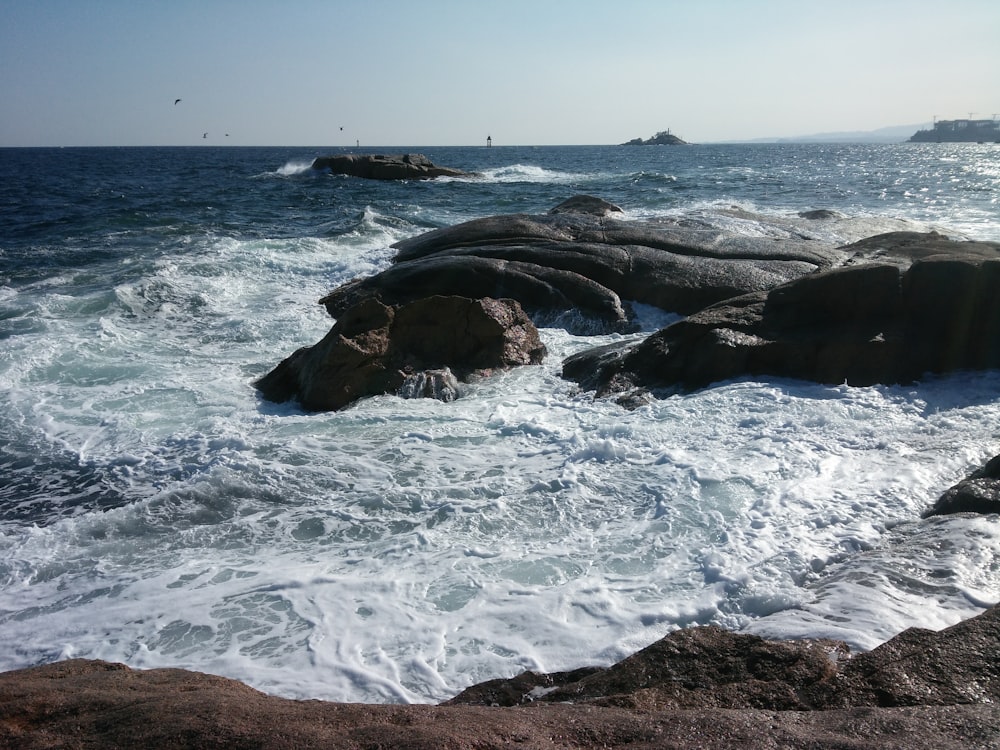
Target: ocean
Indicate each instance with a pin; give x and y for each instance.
(155, 511)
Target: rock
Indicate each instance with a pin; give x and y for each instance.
(576, 262)
(888, 322)
(586, 204)
(711, 668)
(918, 667)
(693, 668)
(421, 348)
(542, 291)
(977, 493)
(920, 691)
(382, 167)
(663, 138)
(821, 214)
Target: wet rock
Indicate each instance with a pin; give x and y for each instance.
(419, 349)
(702, 667)
(977, 493)
(925, 308)
(586, 204)
(820, 214)
(708, 667)
(920, 690)
(382, 167)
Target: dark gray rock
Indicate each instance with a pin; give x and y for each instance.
(577, 261)
(541, 290)
(415, 350)
(978, 493)
(663, 138)
(586, 204)
(382, 167)
(889, 322)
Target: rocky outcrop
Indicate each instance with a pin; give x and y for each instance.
(577, 264)
(978, 493)
(423, 348)
(903, 305)
(701, 687)
(707, 667)
(886, 309)
(382, 167)
(663, 138)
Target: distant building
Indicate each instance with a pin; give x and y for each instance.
(960, 131)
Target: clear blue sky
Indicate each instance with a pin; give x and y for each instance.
(449, 72)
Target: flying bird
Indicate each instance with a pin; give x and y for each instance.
(175, 102)
(205, 136)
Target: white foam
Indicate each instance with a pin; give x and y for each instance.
(531, 173)
(294, 167)
(402, 550)
(399, 551)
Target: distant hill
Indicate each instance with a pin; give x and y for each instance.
(893, 134)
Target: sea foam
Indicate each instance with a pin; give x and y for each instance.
(156, 512)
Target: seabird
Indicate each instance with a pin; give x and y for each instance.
(205, 136)
(175, 102)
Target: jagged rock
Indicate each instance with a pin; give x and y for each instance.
(701, 667)
(977, 493)
(574, 260)
(418, 349)
(928, 306)
(708, 667)
(920, 691)
(382, 167)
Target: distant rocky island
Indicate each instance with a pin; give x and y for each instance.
(663, 138)
(960, 131)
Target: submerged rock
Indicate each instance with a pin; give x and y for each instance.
(420, 349)
(382, 167)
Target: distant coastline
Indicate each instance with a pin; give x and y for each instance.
(940, 131)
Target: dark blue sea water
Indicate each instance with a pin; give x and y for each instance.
(154, 511)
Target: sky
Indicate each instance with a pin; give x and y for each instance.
(452, 72)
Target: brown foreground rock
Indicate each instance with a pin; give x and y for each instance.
(920, 690)
(420, 349)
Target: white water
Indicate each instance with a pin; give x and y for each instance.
(402, 550)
